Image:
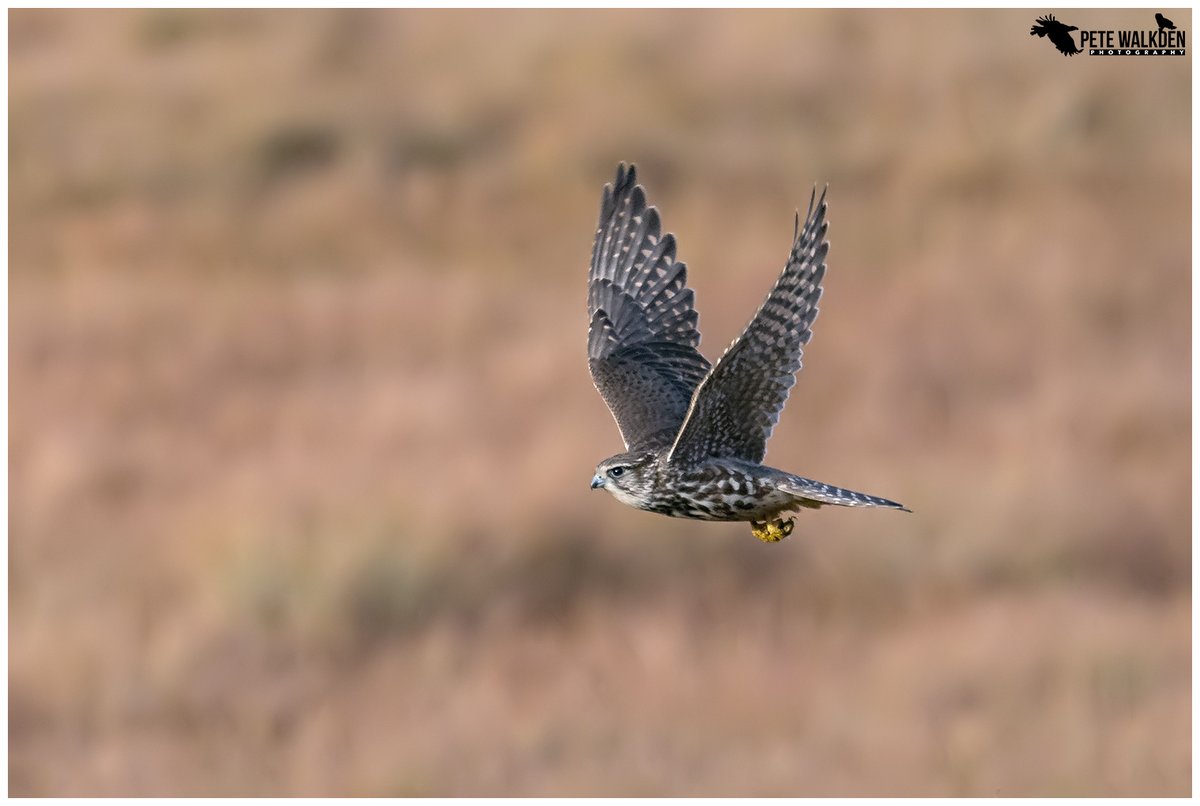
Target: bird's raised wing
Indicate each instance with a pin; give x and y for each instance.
(738, 403)
(642, 337)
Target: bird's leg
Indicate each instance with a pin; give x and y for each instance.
(772, 531)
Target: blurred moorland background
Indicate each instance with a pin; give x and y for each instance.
(301, 424)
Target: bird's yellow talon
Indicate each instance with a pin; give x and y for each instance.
(772, 531)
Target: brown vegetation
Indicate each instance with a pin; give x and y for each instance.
(301, 427)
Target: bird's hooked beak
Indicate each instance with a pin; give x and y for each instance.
(597, 481)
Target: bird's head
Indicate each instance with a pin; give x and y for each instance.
(628, 476)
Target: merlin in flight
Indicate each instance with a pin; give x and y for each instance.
(696, 433)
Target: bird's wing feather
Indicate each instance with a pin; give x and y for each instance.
(737, 405)
(642, 336)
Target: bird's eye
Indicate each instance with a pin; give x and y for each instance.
(616, 472)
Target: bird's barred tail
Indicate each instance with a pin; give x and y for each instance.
(816, 493)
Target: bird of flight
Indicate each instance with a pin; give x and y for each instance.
(696, 433)
(1059, 33)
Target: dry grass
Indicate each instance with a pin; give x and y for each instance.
(301, 428)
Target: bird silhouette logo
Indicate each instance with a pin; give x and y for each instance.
(1163, 22)
(1059, 33)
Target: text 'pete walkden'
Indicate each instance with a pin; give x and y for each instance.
(1134, 43)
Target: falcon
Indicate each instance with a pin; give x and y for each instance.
(696, 433)
(1059, 33)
